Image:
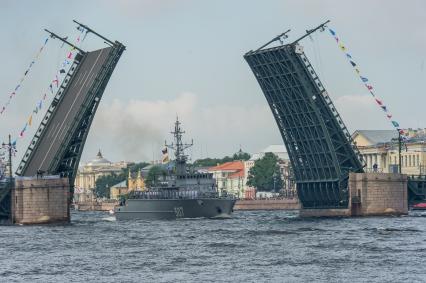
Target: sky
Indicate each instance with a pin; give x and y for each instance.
(185, 58)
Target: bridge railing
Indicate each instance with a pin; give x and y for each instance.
(374, 170)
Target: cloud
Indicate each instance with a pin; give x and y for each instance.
(360, 112)
(136, 130)
(132, 128)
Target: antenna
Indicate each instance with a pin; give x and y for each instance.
(278, 37)
(53, 35)
(309, 32)
(179, 147)
(94, 32)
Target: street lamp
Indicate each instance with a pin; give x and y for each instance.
(399, 139)
(10, 157)
(274, 176)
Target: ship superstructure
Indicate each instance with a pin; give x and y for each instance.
(179, 192)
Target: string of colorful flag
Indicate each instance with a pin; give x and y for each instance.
(366, 82)
(27, 71)
(55, 83)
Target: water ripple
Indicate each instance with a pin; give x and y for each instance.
(255, 246)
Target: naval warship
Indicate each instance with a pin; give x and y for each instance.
(179, 193)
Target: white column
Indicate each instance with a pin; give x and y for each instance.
(369, 161)
(379, 162)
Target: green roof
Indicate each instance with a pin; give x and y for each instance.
(120, 185)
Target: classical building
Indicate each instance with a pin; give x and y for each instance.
(87, 174)
(134, 182)
(379, 149)
(229, 177)
(232, 176)
(117, 190)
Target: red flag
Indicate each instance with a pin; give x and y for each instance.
(369, 87)
(389, 116)
(69, 55)
(56, 81)
(379, 102)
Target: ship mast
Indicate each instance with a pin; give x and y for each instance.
(179, 148)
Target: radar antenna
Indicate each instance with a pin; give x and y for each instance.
(179, 147)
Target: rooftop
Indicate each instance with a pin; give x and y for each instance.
(228, 166)
(277, 149)
(120, 185)
(377, 136)
(99, 160)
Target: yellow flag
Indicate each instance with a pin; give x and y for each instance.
(30, 120)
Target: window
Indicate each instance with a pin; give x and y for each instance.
(409, 160)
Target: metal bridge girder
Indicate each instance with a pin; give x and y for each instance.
(320, 149)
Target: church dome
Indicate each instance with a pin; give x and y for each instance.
(99, 161)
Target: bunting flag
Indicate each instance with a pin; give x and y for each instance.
(55, 83)
(365, 80)
(27, 71)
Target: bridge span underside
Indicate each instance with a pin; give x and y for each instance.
(320, 147)
(58, 143)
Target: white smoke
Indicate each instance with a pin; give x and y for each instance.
(136, 130)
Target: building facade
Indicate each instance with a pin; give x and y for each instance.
(232, 176)
(380, 150)
(87, 174)
(229, 177)
(134, 182)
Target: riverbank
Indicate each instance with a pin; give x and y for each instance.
(268, 204)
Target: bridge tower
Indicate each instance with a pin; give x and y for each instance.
(319, 145)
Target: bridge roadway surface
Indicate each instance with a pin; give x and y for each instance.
(67, 109)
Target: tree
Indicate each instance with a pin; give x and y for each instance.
(209, 162)
(265, 175)
(153, 174)
(104, 183)
(136, 167)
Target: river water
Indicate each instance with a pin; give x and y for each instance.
(258, 246)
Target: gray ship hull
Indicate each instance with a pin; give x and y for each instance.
(150, 209)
